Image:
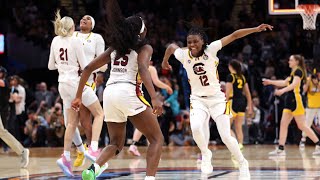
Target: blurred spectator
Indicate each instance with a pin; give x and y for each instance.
(181, 134)
(19, 102)
(255, 123)
(44, 95)
(172, 101)
(56, 129)
(35, 129)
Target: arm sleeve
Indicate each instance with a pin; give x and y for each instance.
(230, 78)
(214, 47)
(80, 54)
(52, 62)
(179, 55)
(100, 46)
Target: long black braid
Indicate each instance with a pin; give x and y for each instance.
(122, 33)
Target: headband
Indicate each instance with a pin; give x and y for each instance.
(92, 22)
(143, 26)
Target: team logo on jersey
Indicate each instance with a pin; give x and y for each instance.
(198, 69)
(205, 57)
(189, 61)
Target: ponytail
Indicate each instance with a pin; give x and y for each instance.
(63, 27)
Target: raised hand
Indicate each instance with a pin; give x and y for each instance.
(264, 27)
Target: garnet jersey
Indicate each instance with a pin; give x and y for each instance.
(67, 55)
(202, 71)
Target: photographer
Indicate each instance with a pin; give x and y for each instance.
(35, 129)
(55, 132)
(181, 135)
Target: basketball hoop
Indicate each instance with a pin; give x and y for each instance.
(309, 14)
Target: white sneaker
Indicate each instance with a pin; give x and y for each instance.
(24, 158)
(244, 170)
(102, 169)
(206, 166)
(316, 151)
(277, 152)
(302, 145)
(149, 178)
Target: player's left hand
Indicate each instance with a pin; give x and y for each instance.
(75, 104)
(264, 27)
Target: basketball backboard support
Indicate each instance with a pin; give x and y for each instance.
(287, 7)
(283, 7)
(308, 9)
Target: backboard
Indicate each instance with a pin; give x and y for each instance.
(287, 7)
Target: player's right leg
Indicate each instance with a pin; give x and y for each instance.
(199, 122)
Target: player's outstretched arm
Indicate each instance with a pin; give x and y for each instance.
(244, 32)
(169, 51)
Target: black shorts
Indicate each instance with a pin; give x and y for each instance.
(238, 107)
(293, 104)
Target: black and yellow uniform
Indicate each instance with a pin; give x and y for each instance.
(293, 99)
(237, 100)
(313, 95)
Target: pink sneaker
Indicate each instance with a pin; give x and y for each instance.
(133, 149)
(65, 166)
(92, 155)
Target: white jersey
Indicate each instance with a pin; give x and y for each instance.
(202, 71)
(67, 55)
(125, 70)
(93, 46)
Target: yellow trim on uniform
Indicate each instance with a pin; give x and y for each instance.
(92, 85)
(233, 78)
(228, 109)
(144, 101)
(286, 111)
(299, 106)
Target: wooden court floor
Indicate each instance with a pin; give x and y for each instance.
(176, 163)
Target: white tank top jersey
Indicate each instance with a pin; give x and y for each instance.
(93, 46)
(125, 70)
(202, 71)
(67, 55)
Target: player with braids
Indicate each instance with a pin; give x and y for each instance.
(200, 60)
(129, 55)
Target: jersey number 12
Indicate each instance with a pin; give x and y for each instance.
(204, 80)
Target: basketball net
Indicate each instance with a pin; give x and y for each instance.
(309, 13)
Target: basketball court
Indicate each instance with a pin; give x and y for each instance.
(176, 163)
(182, 162)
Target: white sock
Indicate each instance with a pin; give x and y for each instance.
(67, 155)
(81, 148)
(96, 167)
(149, 178)
(94, 145)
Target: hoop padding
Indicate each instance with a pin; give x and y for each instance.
(309, 13)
